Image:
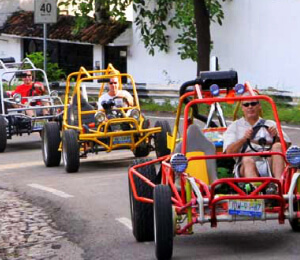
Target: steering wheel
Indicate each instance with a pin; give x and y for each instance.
(124, 100)
(262, 141)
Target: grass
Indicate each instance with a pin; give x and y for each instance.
(287, 114)
(150, 105)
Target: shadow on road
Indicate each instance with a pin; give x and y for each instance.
(22, 146)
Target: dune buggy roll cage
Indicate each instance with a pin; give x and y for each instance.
(195, 195)
(9, 66)
(102, 131)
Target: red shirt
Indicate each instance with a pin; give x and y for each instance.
(24, 90)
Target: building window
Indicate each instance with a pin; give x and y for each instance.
(70, 57)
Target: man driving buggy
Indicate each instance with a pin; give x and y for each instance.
(30, 88)
(113, 92)
(247, 128)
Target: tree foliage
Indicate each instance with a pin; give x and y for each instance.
(54, 73)
(154, 20)
(155, 17)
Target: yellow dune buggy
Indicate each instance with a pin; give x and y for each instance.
(87, 129)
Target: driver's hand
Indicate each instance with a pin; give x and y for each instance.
(272, 131)
(39, 87)
(248, 134)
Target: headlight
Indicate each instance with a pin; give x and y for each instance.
(99, 117)
(17, 98)
(214, 90)
(178, 162)
(239, 89)
(135, 113)
(293, 156)
(54, 94)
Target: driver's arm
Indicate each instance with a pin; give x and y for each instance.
(236, 145)
(129, 98)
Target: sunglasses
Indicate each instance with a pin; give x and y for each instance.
(253, 104)
(113, 82)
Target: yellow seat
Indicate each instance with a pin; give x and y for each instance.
(198, 145)
(197, 168)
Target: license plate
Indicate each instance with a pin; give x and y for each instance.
(122, 139)
(39, 124)
(250, 208)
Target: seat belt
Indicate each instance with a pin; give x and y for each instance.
(245, 145)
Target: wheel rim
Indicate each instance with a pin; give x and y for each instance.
(45, 143)
(131, 207)
(65, 156)
(154, 222)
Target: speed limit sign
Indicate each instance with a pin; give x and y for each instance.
(45, 11)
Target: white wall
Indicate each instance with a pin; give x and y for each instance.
(260, 39)
(10, 47)
(159, 69)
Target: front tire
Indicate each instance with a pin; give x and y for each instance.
(3, 136)
(50, 144)
(160, 139)
(295, 223)
(70, 151)
(142, 213)
(163, 222)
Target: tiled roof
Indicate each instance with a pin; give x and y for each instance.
(22, 24)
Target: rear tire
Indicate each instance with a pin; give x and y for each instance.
(50, 144)
(160, 139)
(70, 151)
(163, 222)
(142, 213)
(144, 148)
(3, 136)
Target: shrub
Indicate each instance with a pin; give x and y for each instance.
(54, 73)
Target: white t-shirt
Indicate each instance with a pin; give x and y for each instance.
(237, 131)
(106, 97)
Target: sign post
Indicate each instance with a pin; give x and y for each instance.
(45, 11)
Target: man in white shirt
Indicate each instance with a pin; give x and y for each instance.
(241, 130)
(113, 92)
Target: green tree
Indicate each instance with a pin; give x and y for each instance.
(54, 73)
(192, 18)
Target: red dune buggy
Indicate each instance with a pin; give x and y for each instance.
(172, 193)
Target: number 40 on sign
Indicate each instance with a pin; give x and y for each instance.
(45, 11)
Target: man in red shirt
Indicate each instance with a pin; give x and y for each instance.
(29, 88)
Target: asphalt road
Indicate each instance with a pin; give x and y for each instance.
(92, 206)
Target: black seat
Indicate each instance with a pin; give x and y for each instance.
(73, 111)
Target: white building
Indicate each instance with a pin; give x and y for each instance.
(259, 39)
